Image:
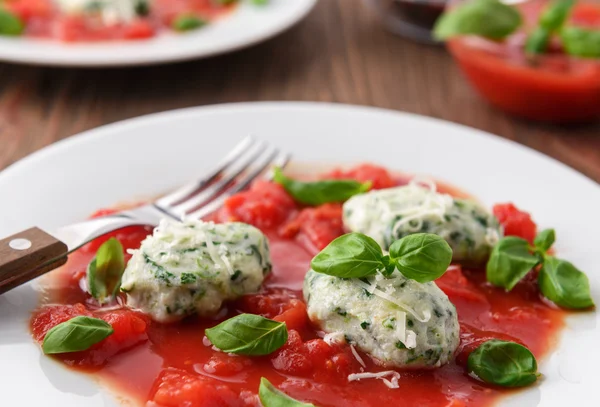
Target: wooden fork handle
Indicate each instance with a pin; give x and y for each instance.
(27, 255)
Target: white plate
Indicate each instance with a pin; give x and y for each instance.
(245, 26)
(142, 157)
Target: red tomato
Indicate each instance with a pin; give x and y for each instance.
(318, 225)
(178, 388)
(221, 364)
(138, 30)
(264, 205)
(379, 176)
(278, 305)
(293, 357)
(515, 222)
(50, 316)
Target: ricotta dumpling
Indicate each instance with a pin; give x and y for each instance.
(400, 322)
(193, 267)
(389, 214)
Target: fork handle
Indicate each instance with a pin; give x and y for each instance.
(27, 255)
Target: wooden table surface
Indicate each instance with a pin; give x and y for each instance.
(340, 53)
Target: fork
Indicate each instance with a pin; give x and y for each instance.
(33, 252)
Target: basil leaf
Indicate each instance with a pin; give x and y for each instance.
(545, 239)
(353, 255)
(187, 22)
(320, 192)
(75, 335)
(422, 257)
(563, 284)
(270, 396)
(486, 18)
(509, 262)
(10, 24)
(248, 334)
(551, 20)
(105, 271)
(581, 42)
(503, 363)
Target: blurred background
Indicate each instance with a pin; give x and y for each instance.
(342, 52)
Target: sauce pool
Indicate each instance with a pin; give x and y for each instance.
(171, 365)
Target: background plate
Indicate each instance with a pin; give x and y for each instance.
(245, 26)
(146, 156)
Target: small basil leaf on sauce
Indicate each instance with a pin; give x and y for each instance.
(10, 24)
(105, 271)
(352, 255)
(248, 334)
(551, 20)
(187, 22)
(422, 257)
(75, 335)
(270, 396)
(545, 239)
(563, 284)
(320, 192)
(486, 18)
(509, 262)
(581, 42)
(503, 363)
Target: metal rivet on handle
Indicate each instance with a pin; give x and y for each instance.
(20, 244)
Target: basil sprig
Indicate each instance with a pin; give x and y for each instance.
(551, 20)
(75, 335)
(248, 334)
(559, 281)
(270, 396)
(486, 18)
(10, 24)
(105, 271)
(320, 192)
(422, 257)
(503, 363)
(581, 42)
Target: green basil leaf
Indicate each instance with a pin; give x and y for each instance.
(503, 363)
(422, 257)
(545, 239)
(486, 18)
(581, 42)
(10, 24)
(270, 396)
(550, 21)
(105, 271)
(353, 255)
(320, 192)
(509, 262)
(75, 335)
(187, 22)
(248, 334)
(563, 284)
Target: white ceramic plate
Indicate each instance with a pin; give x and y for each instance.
(146, 156)
(245, 26)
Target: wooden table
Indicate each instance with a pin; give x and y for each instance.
(340, 53)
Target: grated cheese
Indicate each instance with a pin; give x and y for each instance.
(392, 383)
(357, 356)
(334, 338)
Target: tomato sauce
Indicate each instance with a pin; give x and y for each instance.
(173, 366)
(43, 19)
(552, 87)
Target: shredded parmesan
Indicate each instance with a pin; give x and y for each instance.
(334, 338)
(357, 356)
(372, 288)
(392, 383)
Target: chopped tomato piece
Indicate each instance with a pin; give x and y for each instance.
(294, 316)
(515, 222)
(138, 30)
(178, 388)
(264, 205)
(319, 226)
(293, 357)
(279, 305)
(221, 364)
(379, 176)
(52, 315)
